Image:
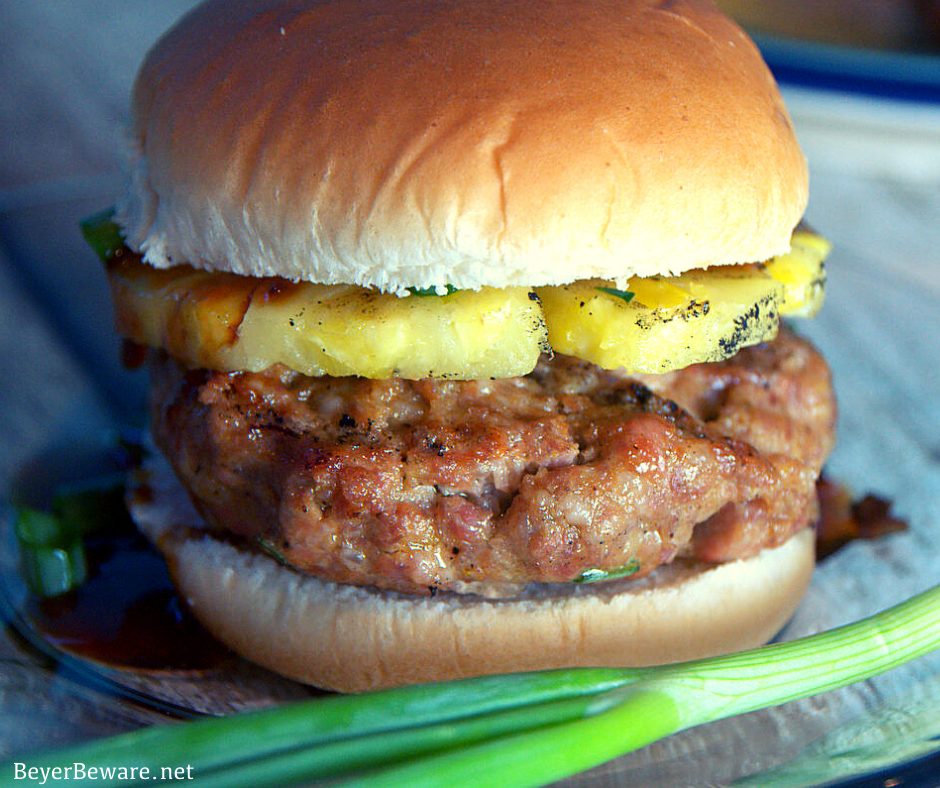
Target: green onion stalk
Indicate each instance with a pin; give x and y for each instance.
(515, 730)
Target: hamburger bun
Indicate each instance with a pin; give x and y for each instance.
(467, 144)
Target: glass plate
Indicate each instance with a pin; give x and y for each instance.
(62, 385)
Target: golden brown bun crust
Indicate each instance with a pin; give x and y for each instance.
(474, 142)
(353, 639)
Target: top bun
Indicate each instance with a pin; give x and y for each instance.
(462, 142)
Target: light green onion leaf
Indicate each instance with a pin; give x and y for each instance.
(102, 234)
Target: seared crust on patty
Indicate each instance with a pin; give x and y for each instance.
(483, 486)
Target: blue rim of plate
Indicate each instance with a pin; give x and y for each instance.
(904, 76)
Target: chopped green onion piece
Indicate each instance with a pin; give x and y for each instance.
(268, 547)
(597, 575)
(52, 555)
(51, 571)
(430, 291)
(625, 295)
(102, 234)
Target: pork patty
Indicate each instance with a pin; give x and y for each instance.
(561, 475)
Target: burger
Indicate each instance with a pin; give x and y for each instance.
(465, 339)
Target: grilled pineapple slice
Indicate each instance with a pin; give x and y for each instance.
(802, 272)
(228, 322)
(662, 324)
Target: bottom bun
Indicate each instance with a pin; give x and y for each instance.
(351, 639)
